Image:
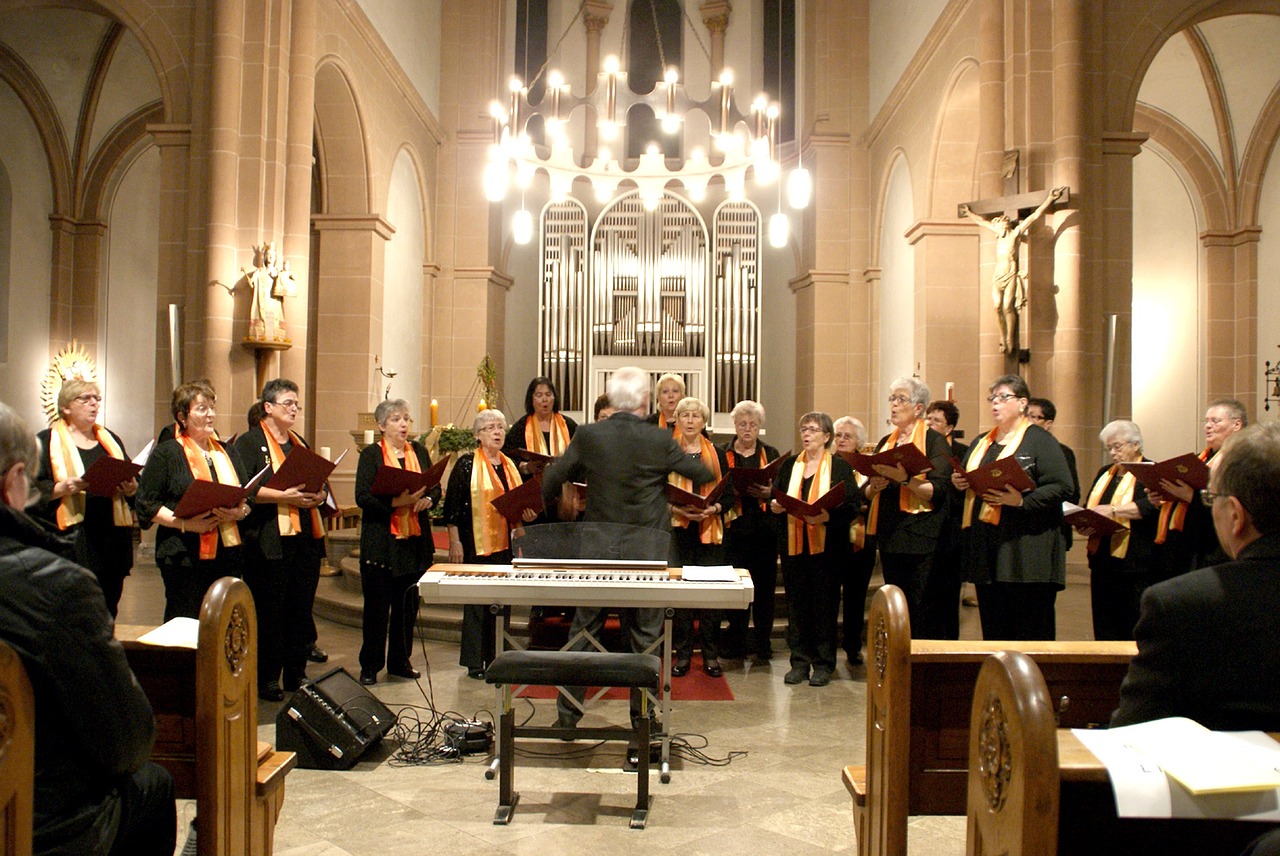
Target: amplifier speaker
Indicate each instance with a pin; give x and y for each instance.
(332, 721)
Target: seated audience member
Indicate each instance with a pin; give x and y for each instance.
(1207, 643)
(95, 790)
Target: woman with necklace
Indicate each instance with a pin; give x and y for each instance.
(191, 552)
(478, 534)
(395, 545)
(1012, 544)
(101, 525)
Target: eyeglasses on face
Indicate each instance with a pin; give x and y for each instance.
(291, 404)
(1118, 446)
(1208, 496)
(810, 429)
(1000, 397)
(88, 398)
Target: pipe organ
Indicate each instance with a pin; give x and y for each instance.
(652, 290)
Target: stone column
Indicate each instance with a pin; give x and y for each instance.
(1114, 293)
(350, 286)
(174, 142)
(946, 316)
(295, 363)
(715, 15)
(1231, 300)
(595, 18)
(73, 304)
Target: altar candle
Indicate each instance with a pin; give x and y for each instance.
(951, 391)
(325, 453)
(368, 438)
(481, 406)
(435, 413)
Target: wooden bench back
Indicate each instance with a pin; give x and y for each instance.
(888, 723)
(227, 719)
(17, 755)
(1013, 761)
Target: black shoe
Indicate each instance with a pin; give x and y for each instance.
(315, 655)
(855, 657)
(821, 677)
(368, 679)
(680, 668)
(713, 669)
(563, 721)
(404, 671)
(476, 673)
(293, 682)
(270, 691)
(798, 674)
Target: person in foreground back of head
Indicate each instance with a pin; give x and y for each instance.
(1207, 643)
(95, 790)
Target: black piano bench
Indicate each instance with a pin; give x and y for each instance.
(514, 669)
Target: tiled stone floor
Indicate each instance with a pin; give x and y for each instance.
(783, 796)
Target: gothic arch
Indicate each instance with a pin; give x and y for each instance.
(952, 175)
(341, 142)
(1194, 161)
(881, 199)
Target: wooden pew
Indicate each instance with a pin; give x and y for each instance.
(1013, 761)
(206, 705)
(929, 775)
(17, 755)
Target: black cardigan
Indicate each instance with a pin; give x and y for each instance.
(376, 540)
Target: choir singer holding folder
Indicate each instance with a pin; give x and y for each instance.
(191, 552)
(395, 544)
(102, 522)
(1011, 541)
(284, 543)
(811, 567)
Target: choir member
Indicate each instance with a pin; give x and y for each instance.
(860, 556)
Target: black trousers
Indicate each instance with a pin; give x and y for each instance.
(643, 628)
(692, 551)
(390, 611)
(910, 572)
(753, 544)
(942, 591)
(148, 814)
(813, 603)
(1017, 611)
(284, 590)
(1115, 597)
(186, 579)
(855, 581)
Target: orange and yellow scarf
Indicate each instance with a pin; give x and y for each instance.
(1122, 495)
(199, 465)
(535, 442)
(908, 502)
(710, 529)
(817, 488)
(64, 458)
(989, 513)
(1173, 514)
(404, 523)
(490, 530)
(287, 516)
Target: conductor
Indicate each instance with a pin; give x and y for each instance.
(624, 462)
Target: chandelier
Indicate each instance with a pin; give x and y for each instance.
(738, 146)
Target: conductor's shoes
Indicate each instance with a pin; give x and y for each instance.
(316, 655)
(797, 675)
(368, 679)
(820, 678)
(713, 669)
(680, 668)
(405, 671)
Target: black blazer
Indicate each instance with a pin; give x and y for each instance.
(1207, 646)
(376, 540)
(162, 482)
(899, 532)
(624, 462)
(260, 527)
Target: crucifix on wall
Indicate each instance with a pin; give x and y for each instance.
(1009, 218)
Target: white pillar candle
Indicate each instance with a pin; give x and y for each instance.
(326, 453)
(368, 438)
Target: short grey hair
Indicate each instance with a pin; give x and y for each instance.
(628, 388)
(1123, 430)
(484, 417)
(859, 430)
(1250, 471)
(17, 443)
(1235, 409)
(388, 408)
(696, 405)
(916, 389)
(747, 407)
(823, 421)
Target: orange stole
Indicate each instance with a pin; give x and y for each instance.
(489, 529)
(1122, 495)
(229, 532)
(710, 529)
(908, 502)
(404, 523)
(1173, 514)
(535, 442)
(287, 517)
(65, 460)
(989, 514)
(820, 485)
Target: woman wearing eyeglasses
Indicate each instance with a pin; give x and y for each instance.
(1012, 543)
(102, 525)
(907, 512)
(192, 552)
(1119, 564)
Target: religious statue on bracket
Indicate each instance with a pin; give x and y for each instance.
(270, 283)
(1008, 286)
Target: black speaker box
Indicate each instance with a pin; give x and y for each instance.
(331, 721)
